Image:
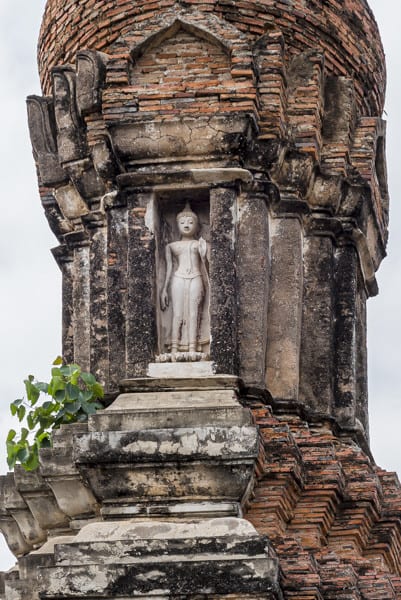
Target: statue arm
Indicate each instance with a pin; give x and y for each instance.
(207, 260)
(204, 252)
(208, 250)
(164, 299)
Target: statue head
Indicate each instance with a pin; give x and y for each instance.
(187, 221)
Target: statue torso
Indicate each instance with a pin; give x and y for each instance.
(186, 254)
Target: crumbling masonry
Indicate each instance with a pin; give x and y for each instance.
(239, 468)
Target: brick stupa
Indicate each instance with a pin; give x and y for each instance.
(232, 460)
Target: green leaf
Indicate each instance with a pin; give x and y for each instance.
(97, 390)
(21, 413)
(70, 370)
(44, 439)
(14, 406)
(32, 462)
(59, 396)
(45, 421)
(72, 398)
(24, 434)
(11, 435)
(73, 407)
(86, 396)
(23, 455)
(42, 386)
(11, 460)
(90, 407)
(32, 391)
(72, 391)
(88, 378)
(31, 421)
(58, 360)
(59, 416)
(13, 448)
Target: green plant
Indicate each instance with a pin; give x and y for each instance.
(70, 397)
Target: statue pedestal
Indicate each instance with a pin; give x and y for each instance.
(165, 442)
(170, 463)
(204, 368)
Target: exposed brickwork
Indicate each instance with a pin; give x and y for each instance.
(182, 75)
(174, 71)
(345, 31)
(333, 517)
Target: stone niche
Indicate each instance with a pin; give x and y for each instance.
(153, 202)
(167, 207)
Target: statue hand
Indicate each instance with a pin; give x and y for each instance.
(164, 300)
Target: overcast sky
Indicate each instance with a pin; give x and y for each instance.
(30, 310)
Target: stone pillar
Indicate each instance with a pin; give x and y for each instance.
(223, 280)
(8, 525)
(253, 266)
(316, 377)
(346, 283)
(141, 301)
(81, 299)
(65, 260)
(99, 356)
(117, 285)
(362, 408)
(285, 308)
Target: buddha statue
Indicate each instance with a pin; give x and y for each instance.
(185, 289)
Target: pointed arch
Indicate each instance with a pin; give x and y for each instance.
(155, 39)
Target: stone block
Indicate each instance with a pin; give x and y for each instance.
(60, 473)
(212, 557)
(40, 499)
(209, 463)
(189, 370)
(182, 481)
(165, 448)
(13, 503)
(155, 410)
(185, 136)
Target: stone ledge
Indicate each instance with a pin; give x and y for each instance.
(165, 445)
(209, 577)
(170, 511)
(160, 384)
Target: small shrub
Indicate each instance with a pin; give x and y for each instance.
(69, 397)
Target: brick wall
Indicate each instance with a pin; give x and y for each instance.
(344, 30)
(332, 516)
(182, 74)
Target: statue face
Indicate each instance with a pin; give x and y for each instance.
(187, 225)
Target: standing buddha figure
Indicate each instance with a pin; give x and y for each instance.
(185, 287)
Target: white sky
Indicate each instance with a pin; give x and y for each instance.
(30, 302)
